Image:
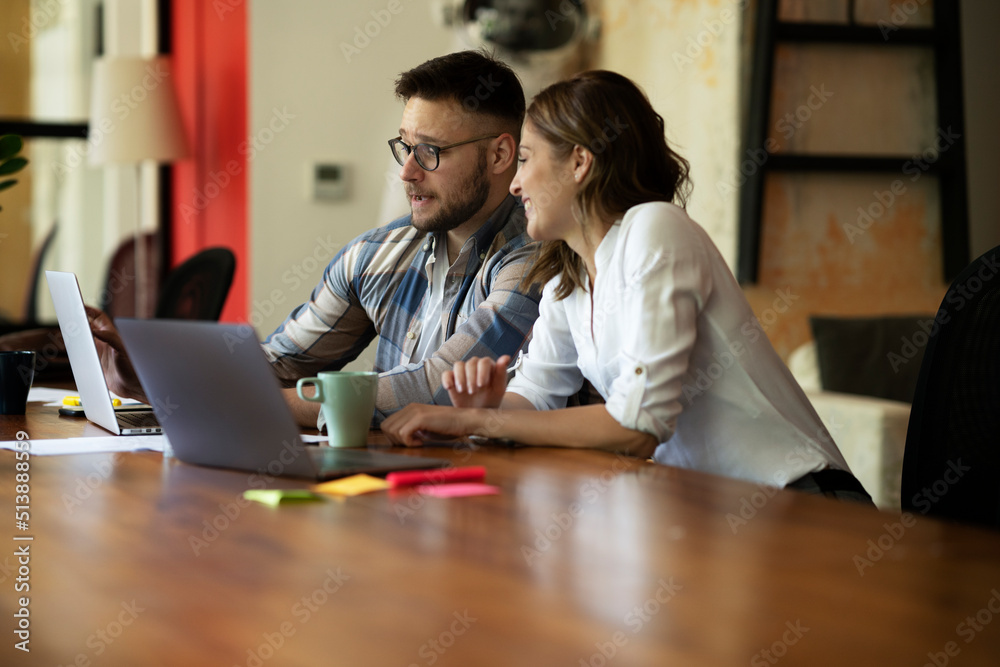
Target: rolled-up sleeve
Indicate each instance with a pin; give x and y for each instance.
(326, 332)
(662, 297)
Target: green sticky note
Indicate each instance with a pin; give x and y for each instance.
(273, 497)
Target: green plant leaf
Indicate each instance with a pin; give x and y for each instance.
(10, 145)
(13, 165)
(7, 184)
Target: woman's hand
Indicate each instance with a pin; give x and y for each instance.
(478, 382)
(417, 422)
(118, 370)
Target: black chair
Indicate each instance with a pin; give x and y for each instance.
(198, 287)
(121, 283)
(29, 311)
(951, 465)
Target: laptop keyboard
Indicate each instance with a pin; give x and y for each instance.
(137, 419)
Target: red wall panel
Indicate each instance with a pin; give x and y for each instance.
(209, 199)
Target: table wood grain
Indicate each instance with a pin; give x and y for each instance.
(584, 558)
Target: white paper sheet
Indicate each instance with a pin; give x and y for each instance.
(111, 443)
(48, 395)
(98, 445)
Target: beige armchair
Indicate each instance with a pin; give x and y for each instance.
(870, 432)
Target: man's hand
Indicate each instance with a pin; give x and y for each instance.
(118, 370)
(478, 382)
(306, 413)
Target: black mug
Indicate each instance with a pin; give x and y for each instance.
(17, 369)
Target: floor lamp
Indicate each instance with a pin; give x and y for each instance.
(134, 118)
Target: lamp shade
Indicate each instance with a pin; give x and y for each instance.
(134, 114)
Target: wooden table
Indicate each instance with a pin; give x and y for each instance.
(584, 558)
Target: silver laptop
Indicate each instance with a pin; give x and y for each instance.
(220, 404)
(86, 364)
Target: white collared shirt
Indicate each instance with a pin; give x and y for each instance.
(676, 352)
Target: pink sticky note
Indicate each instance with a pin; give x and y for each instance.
(457, 490)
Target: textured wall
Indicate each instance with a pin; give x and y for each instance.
(685, 55)
(818, 258)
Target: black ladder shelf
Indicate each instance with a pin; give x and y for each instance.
(949, 167)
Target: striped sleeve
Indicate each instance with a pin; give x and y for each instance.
(336, 325)
(500, 324)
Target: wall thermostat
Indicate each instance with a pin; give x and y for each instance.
(329, 181)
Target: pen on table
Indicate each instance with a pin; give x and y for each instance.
(75, 400)
(414, 477)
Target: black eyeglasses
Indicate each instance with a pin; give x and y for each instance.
(428, 156)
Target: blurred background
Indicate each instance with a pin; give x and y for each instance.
(286, 109)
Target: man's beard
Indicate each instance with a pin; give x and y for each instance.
(476, 190)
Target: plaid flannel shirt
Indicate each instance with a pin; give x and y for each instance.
(378, 286)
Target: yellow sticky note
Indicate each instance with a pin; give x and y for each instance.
(75, 401)
(352, 486)
(273, 497)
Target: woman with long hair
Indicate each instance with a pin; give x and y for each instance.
(638, 301)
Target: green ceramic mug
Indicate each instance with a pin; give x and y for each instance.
(347, 399)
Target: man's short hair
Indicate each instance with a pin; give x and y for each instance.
(480, 83)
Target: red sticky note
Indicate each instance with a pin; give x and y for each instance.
(457, 490)
(436, 476)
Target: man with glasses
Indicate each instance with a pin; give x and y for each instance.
(436, 286)
(443, 283)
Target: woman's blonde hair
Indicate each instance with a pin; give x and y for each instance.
(609, 115)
